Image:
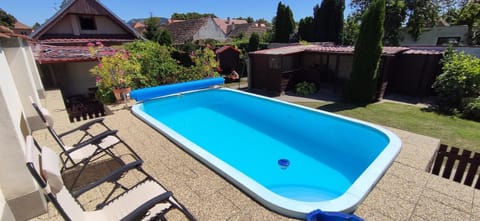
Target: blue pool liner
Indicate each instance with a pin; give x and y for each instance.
(318, 215)
(163, 90)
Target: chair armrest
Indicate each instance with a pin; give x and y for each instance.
(94, 140)
(84, 126)
(114, 175)
(143, 209)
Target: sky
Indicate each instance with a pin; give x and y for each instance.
(31, 11)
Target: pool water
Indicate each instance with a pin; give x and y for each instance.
(250, 134)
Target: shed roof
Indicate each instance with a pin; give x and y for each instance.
(324, 49)
(225, 48)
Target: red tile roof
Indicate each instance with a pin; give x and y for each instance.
(58, 54)
(224, 23)
(224, 48)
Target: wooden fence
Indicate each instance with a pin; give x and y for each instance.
(464, 164)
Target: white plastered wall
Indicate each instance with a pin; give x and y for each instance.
(20, 193)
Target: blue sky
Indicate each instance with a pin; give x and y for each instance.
(31, 11)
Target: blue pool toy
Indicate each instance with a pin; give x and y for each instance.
(163, 90)
(318, 215)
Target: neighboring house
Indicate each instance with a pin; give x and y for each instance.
(61, 50)
(228, 24)
(195, 29)
(403, 70)
(20, 197)
(139, 26)
(441, 35)
(247, 30)
(22, 29)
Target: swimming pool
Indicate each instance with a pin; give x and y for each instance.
(290, 158)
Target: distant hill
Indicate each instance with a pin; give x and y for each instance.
(135, 20)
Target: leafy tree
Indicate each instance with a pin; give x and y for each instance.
(328, 19)
(362, 84)
(191, 15)
(283, 23)
(7, 19)
(164, 38)
(157, 66)
(422, 14)
(459, 81)
(253, 42)
(35, 26)
(470, 15)
(350, 30)
(395, 12)
(151, 28)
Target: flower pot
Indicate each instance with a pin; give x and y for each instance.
(121, 93)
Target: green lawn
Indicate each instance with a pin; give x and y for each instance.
(450, 130)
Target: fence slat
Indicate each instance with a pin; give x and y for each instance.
(452, 156)
(462, 165)
(437, 165)
(474, 163)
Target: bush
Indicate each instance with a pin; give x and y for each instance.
(305, 88)
(471, 109)
(459, 81)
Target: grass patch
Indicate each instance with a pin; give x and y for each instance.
(450, 130)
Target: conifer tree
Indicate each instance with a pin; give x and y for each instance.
(284, 24)
(362, 84)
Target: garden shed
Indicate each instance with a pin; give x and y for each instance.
(229, 58)
(278, 70)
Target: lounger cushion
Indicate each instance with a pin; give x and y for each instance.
(48, 116)
(51, 169)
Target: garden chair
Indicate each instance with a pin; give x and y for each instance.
(82, 133)
(87, 150)
(147, 200)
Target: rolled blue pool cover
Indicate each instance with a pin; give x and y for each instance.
(318, 215)
(158, 91)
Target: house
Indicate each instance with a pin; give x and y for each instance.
(61, 44)
(21, 29)
(20, 197)
(403, 70)
(195, 29)
(228, 24)
(247, 29)
(442, 34)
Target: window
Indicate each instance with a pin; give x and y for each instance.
(87, 23)
(445, 41)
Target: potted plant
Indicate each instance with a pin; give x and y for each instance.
(115, 72)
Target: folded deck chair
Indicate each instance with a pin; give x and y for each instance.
(84, 130)
(87, 150)
(147, 200)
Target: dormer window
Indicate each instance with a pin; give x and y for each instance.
(87, 22)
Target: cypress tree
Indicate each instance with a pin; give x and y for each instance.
(306, 29)
(253, 42)
(362, 84)
(328, 19)
(284, 24)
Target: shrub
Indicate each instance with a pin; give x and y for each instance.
(362, 85)
(459, 81)
(305, 88)
(471, 109)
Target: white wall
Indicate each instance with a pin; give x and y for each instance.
(21, 68)
(16, 183)
(78, 78)
(71, 25)
(430, 36)
(210, 31)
